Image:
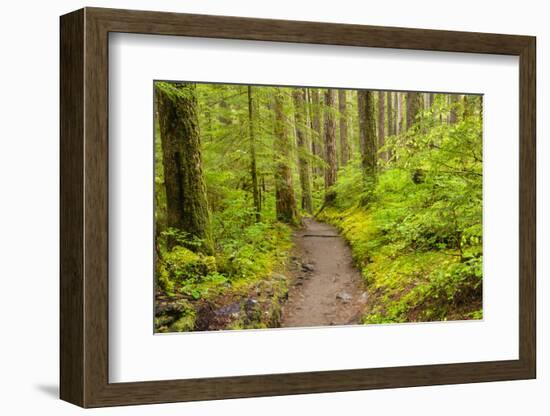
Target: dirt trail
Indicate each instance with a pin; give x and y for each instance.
(327, 288)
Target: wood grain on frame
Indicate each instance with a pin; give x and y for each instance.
(84, 207)
(71, 212)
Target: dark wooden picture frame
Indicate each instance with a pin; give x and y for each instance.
(84, 207)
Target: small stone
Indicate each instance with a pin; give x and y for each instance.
(278, 276)
(308, 267)
(228, 310)
(344, 297)
(250, 303)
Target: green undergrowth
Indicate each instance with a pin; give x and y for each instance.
(417, 243)
(407, 285)
(238, 287)
(415, 228)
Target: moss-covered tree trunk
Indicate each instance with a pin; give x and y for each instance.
(344, 140)
(316, 125)
(367, 133)
(186, 203)
(301, 118)
(285, 203)
(330, 143)
(253, 169)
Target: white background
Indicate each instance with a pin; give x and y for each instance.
(29, 220)
(136, 355)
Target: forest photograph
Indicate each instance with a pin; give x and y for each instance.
(279, 207)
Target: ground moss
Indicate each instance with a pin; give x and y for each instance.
(407, 285)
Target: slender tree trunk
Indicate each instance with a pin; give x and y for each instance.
(389, 114)
(431, 98)
(479, 107)
(352, 124)
(391, 123)
(399, 118)
(441, 98)
(344, 140)
(253, 170)
(207, 136)
(381, 122)
(425, 100)
(285, 203)
(317, 137)
(453, 117)
(301, 118)
(367, 133)
(263, 190)
(186, 202)
(330, 144)
(224, 112)
(414, 104)
(469, 105)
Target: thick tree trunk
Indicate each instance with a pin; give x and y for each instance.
(186, 203)
(317, 137)
(381, 122)
(285, 203)
(301, 118)
(330, 143)
(367, 133)
(414, 105)
(253, 170)
(344, 140)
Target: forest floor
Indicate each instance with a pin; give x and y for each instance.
(327, 288)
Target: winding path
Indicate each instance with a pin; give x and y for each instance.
(327, 287)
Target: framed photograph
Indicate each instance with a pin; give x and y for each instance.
(254, 207)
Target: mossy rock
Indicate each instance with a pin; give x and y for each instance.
(183, 324)
(174, 315)
(182, 264)
(164, 282)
